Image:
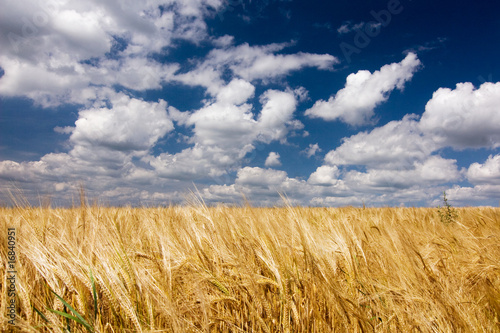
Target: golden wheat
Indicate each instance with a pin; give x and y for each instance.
(228, 269)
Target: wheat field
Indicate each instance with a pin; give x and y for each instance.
(247, 269)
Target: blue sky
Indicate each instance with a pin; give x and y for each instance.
(333, 103)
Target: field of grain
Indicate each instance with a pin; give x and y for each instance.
(223, 269)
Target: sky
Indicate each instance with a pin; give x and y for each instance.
(327, 103)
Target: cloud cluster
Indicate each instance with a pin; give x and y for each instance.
(64, 52)
(225, 130)
(404, 154)
(96, 54)
(100, 56)
(53, 50)
(398, 162)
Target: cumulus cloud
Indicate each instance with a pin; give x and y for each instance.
(104, 140)
(230, 122)
(275, 118)
(260, 62)
(486, 173)
(136, 73)
(237, 92)
(324, 175)
(363, 91)
(464, 117)
(270, 66)
(129, 125)
(272, 160)
(225, 125)
(258, 177)
(197, 162)
(312, 150)
(483, 194)
(102, 147)
(435, 170)
(395, 145)
(459, 119)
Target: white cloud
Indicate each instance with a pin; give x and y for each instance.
(400, 144)
(223, 41)
(487, 173)
(63, 51)
(258, 177)
(221, 193)
(225, 124)
(347, 27)
(36, 81)
(328, 186)
(464, 117)
(324, 175)
(399, 158)
(312, 150)
(81, 52)
(395, 145)
(363, 91)
(236, 92)
(276, 115)
(134, 73)
(178, 116)
(484, 194)
(435, 170)
(270, 66)
(197, 162)
(102, 146)
(272, 160)
(130, 125)
(254, 63)
(337, 201)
